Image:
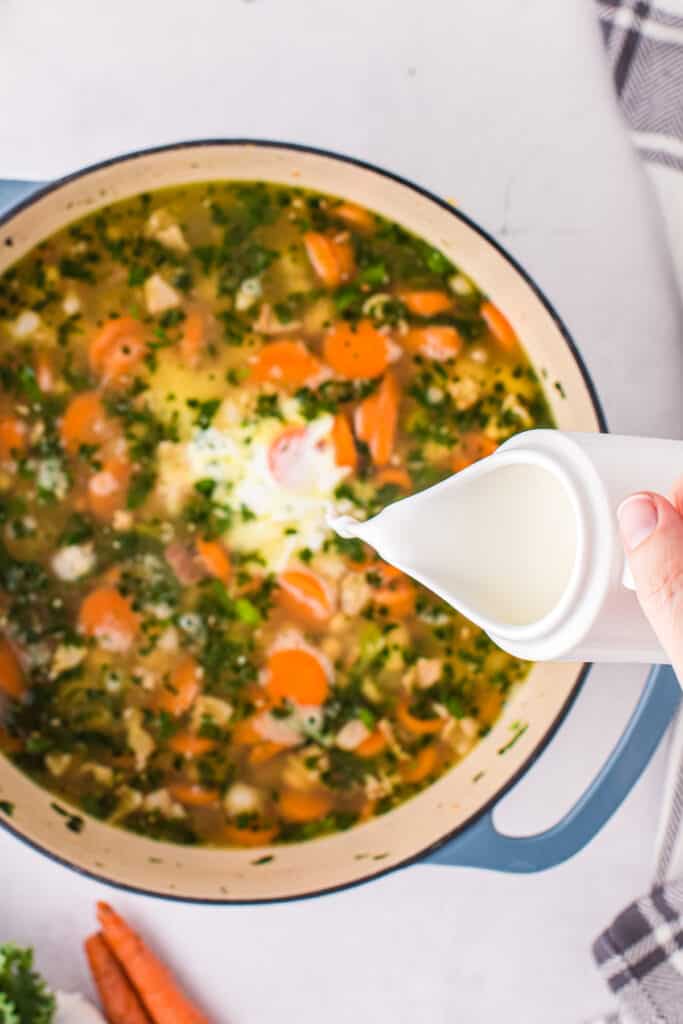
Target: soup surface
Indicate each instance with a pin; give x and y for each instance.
(189, 381)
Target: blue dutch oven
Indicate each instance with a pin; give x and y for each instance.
(451, 821)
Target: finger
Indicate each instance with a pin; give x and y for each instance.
(652, 534)
(677, 496)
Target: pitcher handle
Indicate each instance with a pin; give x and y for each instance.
(482, 846)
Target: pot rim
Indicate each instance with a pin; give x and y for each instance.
(559, 718)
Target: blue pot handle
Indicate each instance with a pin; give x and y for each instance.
(482, 846)
(13, 191)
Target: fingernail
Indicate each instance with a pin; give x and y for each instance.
(637, 517)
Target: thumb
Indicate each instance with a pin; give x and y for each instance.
(652, 533)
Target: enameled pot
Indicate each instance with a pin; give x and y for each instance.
(450, 822)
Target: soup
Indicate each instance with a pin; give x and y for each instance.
(190, 381)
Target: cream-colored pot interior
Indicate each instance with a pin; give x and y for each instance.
(378, 845)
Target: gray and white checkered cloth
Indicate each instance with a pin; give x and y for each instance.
(641, 954)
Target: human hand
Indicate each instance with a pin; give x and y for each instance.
(651, 530)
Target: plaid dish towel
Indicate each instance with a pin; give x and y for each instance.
(641, 954)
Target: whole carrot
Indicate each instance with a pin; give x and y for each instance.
(119, 1001)
(155, 985)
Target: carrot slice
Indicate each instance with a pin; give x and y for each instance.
(299, 807)
(118, 997)
(437, 343)
(355, 216)
(84, 422)
(109, 618)
(189, 745)
(499, 326)
(426, 303)
(11, 676)
(396, 593)
(297, 674)
(471, 447)
(414, 725)
(421, 766)
(13, 437)
(286, 362)
(156, 986)
(107, 488)
(250, 836)
(118, 348)
(393, 475)
(345, 453)
(179, 694)
(331, 259)
(372, 745)
(263, 752)
(357, 352)
(376, 419)
(244, 734)
(191, 794)
(215, 559)
(305, 595)
(192, 339)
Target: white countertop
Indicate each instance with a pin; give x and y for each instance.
(512, 115)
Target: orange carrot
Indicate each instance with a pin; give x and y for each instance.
(331, 259)
(426, 303)
(244, 734)
(117, 349)
(345, 453)
(297, 674)
(11, 676)
(215, 559)
(395, 475)
(471, 447)
(119, 1000)
(179, 694)
(108, 617)
(355, 216)
(189, 745)
(357, 352)
(263, 752)
(421, 767)
(158, 990)
(499, 326)
(414, 725)
(193, 795)
(372, 745)
(84, 422)
(376, 420)
(250, 836)
(192, 339)
(305, 595)
(299, 807)
(108, 487)
(396, 594)
(286, 362)
(13, 437)
(437, 343)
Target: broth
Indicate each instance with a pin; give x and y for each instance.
(189, 380)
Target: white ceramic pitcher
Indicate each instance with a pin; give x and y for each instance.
(525, 543)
